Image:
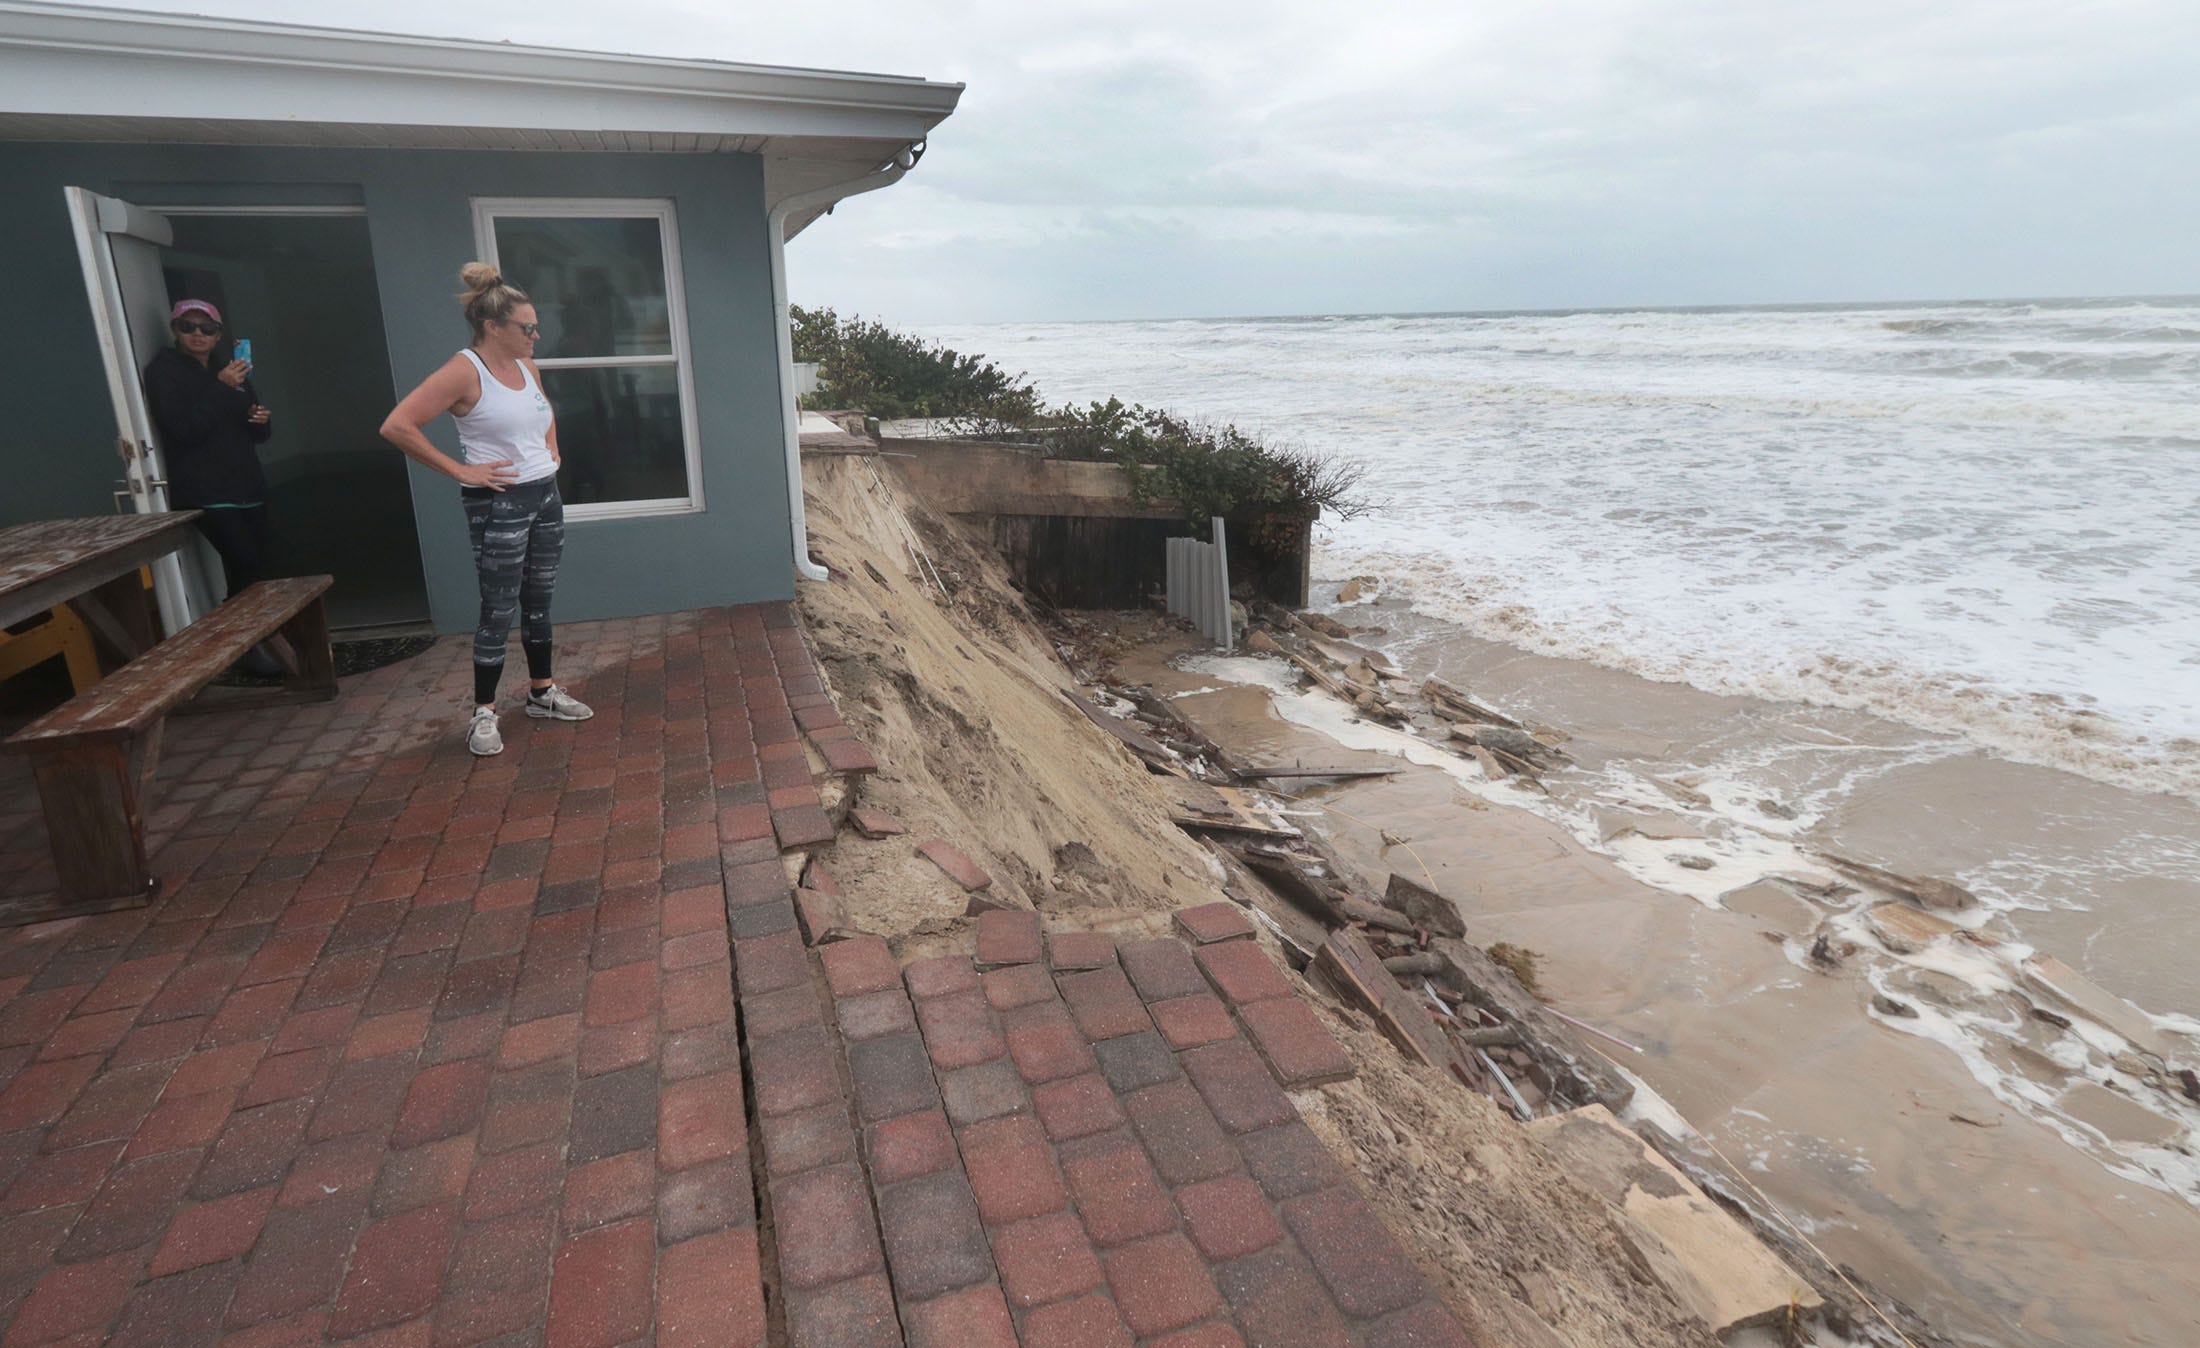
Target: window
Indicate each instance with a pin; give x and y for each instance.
(605, 279)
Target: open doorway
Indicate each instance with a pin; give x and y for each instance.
(301, 287)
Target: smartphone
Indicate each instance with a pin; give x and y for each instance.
(244, 350)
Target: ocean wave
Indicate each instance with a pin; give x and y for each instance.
(2046, 729)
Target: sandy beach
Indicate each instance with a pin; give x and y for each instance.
(2016, 1181)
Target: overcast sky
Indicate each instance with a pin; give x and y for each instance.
(1156, 158)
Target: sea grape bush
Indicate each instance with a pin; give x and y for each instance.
(890, 374)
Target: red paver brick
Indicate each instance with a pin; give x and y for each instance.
(1161, 1284)
(940, 976)
(288, 1075)
(499, 1280)
(1045, 1042)
(612, 1047)
(694, 910)
(76, 1297)
(1188, 1022)
(848, 756)
(1228, 1217)
(934, 1240)
(873, 823)
(443, 1100)
(1012, 1169)
(602, 1286)
(1045, 1259)
(1076, 1106)
(207, 1233)
(1289, 1160)
(860, 965)
(380, 1036)
(892, 1077)
(959, 1030)
(771, 963)
(968, 874)
(514, 1181)
(1069, 951)
(1427, 1325)
(1104, 1003)
(700, 1120)
(1007, 936)
(912, 1145)
(825, 1228)
(1279, 1300)
(339, 1167)
(695, 998)
(852, 1313)
(1161, 969)
(706, 1198)
(1299, 1049)
(807, 1137)
(710, 1293)
(182, 1121)
(1242, 972)
(871, 1014)
(42, 1092)
(91, 1034)
(538, 1041)
(298, 1262)
(609, 1189)
(1133, 1061)
(1357, 1258)
(1117, 1192)
(396, 1270)
(1211, 922)
(626, 993)
(328, 1027)
(1237, 1086)
(1017, 985)
(1180, 1133)
(424, 1175)
(975, 1317)
(802, 826)
(1087, 1322)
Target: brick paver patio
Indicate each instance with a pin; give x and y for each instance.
(417, 1049)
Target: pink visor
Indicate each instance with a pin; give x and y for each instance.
(186, 306)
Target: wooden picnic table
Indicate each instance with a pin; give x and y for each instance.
(91, 565)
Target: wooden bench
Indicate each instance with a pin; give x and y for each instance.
(95, 755)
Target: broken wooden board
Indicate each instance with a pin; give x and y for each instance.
(1286, 877)
(1279, 774)
(1196, 805)
(1903, 929)
(2047, 974)
(1446, 697)
(1424, 906)
(1350, 964)
(1555, 1045)
(1145, 746)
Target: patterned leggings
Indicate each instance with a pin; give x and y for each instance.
(518, 535)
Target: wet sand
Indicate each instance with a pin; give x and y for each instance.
(1929, 1153)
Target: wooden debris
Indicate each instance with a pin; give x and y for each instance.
(1149, 750)
(1427, 908)
(1454, 705)
(1199, 806)
(1352, 969)
(1279, 774)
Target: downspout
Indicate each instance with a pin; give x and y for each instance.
(789, 415)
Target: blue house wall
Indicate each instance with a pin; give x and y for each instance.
(58, 458)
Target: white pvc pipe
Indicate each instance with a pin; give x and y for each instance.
(790, 415)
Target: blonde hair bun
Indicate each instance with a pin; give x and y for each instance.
(478, 276)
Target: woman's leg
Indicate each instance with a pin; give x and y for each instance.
(498, 525)
(239, 536)
(545, 546)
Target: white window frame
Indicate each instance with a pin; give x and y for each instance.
(488, 210)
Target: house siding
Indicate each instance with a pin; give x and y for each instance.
(59, 460)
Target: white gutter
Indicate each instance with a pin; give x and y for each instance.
(790, 416)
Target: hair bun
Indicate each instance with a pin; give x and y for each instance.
(479, 276)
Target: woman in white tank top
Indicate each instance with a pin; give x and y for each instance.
(509, 488)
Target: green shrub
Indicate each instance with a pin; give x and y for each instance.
(887, 374)
(1207, 469)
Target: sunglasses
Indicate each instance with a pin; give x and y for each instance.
(202, 329)
(532, 330)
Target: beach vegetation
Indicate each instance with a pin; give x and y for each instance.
(1518, 961)
(890, 375)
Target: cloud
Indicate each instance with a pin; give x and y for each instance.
(1152, 157)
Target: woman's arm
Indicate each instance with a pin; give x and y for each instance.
(439, 393)
(259, 423)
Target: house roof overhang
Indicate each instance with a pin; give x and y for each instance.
(74, 72)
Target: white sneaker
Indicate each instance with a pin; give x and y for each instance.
(557, 704)
(482, 736)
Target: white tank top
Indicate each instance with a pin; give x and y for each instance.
(508, 425)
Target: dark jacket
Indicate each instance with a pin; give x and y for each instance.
(204, 436)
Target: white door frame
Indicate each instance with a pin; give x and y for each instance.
(124, 321)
